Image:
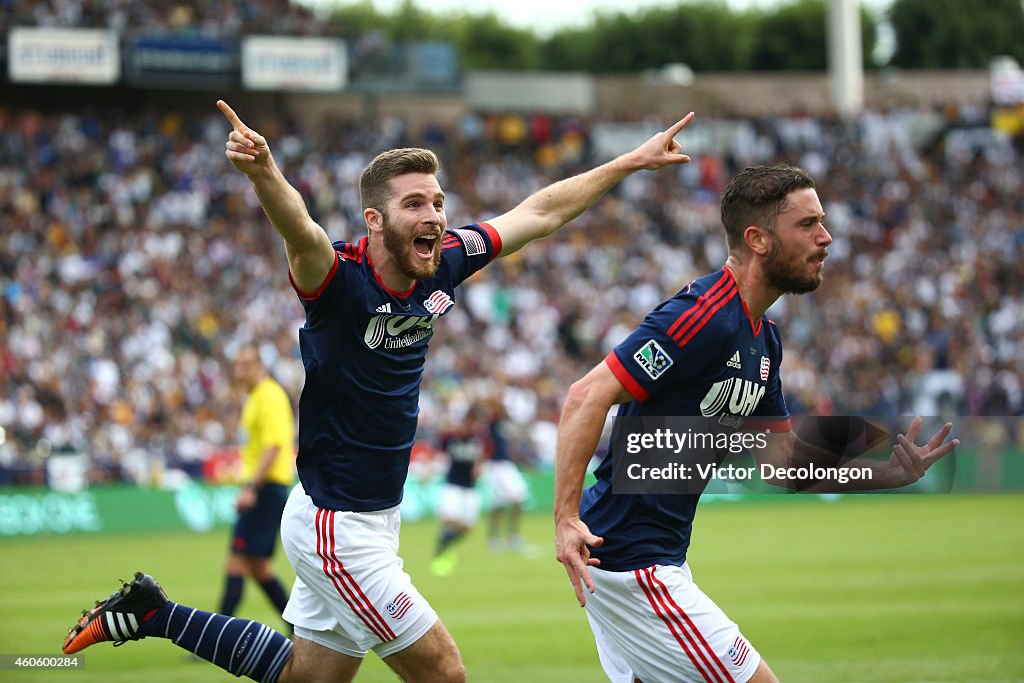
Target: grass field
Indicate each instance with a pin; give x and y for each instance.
(864, 589)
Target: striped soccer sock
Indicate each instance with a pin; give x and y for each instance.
(239, 646)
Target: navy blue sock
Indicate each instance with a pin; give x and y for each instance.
(448, 536)
(275, 591)
(239, 646)
(233, 586)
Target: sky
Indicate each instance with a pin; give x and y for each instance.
(547, 16)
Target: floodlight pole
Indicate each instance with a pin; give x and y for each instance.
(845, 57)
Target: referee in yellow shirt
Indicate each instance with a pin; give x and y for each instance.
(268, 466)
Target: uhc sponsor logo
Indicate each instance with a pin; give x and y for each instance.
(653, 359)
(398, 331)
(733, 396)
(397, 608)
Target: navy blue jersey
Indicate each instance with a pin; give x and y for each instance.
(698, 353)
(464, 452)
(499, 447)
(363, 346)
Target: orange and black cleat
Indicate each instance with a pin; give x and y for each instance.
(117, 619)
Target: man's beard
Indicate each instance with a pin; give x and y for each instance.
(399, 247)
(789, 276)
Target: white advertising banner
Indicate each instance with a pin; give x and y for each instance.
(278, 63)
(64, 55)
(555, 93)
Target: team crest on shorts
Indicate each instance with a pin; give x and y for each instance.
(738, 651)
(397, 608)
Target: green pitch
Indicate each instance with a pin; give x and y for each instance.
(864, 589)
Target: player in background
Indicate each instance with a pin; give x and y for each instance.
(370, 310)
(506, 484)
(467, 444)
(703, 352)
(268, 469)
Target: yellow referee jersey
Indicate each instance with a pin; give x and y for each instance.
(267, 420)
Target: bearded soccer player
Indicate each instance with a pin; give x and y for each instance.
(371, 307)
(708, 351)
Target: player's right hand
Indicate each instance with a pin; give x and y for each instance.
(572, 537)
(246, 149)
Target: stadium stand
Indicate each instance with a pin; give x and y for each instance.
(133, 261)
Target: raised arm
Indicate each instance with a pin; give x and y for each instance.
(309, 250)
(547, 210)
(579, 430)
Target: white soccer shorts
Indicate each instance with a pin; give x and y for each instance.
(657, 625)
(459, 504)
(350, 593)
(506, 483)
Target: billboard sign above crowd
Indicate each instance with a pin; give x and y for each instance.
(295, 64)
(63, 55)
(185, 61)
(555, 93)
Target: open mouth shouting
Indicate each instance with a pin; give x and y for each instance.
(425, 245)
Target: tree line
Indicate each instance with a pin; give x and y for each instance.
(707, 35)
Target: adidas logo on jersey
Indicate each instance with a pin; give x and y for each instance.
(734, 362)
(384, 308)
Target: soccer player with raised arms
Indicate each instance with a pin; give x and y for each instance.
(370, 310)
(707, 351)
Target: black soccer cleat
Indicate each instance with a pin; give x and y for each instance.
(117, 618)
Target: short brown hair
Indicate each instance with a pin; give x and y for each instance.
(756, 196)
(374, 189)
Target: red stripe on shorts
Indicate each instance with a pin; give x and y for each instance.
(686, 617)
(343, 581)
(675, 628)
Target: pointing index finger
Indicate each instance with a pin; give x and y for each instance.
(231, 116)
(680, 124)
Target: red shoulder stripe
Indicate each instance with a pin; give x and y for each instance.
(699, 316)
(712, 308)
(722, 281)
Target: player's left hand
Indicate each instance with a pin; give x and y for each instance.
(909, 462)
(662, 149)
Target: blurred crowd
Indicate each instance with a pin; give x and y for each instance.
(211, 18)
(134, 261)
